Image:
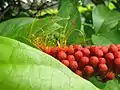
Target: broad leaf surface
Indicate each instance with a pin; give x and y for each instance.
(25, 68)
(106, 25)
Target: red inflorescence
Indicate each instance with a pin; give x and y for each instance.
(73, 65)
(88, 70)
(78, 55)
(66, 62)
(87, 61)
(84, 60)
(86, 52)
(71, 57)
(102, 61)
(103, 67)
(94, 61)
(110, 75)
(78, 72)
(61, 55)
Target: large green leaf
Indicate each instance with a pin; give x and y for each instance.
(106, 25)
(25, 68)
(104, 19)
(72, 19)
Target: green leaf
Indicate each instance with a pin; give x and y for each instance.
(106, 24)
(104, 19)
(97, 83)
(112, 85)
(114, 36)
(100, 40)
(25, 68)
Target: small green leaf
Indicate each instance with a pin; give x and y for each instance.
(97, 83)
(100, 40)
(25, 68)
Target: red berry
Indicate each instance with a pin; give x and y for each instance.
(117, 61)
(110, 75)
(61, 55)
(65, 62)
(102, 61)
(65, 49)
(78, 72)
(40, 46)
(61, 49)
(84, 60)
(104, 49)
(73, 65)
(109, 56)
(77, 47)
(70, 57)
(113, 48)
(94, 61)
(78, 55)
(117, 54)
(98, 53)
(103, 67)
(47, 50)
(89, 70)
(70, 50)
(110, 60)
(93, 48)
(118, 46)
(54, 51)
(86, 52)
